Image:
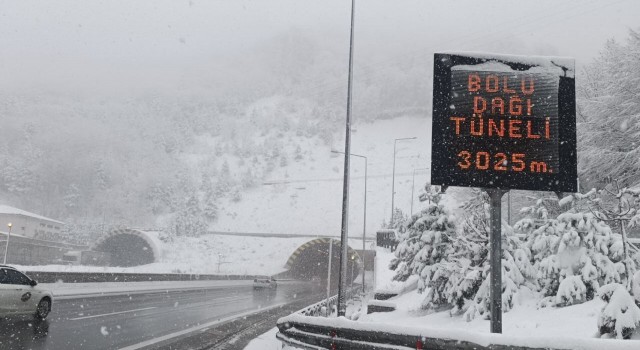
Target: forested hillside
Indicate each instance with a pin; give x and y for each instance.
(609, 115)
(169, 156)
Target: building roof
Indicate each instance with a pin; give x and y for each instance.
(5, 209)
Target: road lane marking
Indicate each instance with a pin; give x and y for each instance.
(197, 328)
(112, 313)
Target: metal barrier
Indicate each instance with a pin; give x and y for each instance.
(82, 277)
(317, 308)
(307, 332)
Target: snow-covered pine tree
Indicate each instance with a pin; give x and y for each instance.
(538, 214)
(618, 208)
(425, 239)
(298, 154)
(608, 104)
(209, 205)
(190, 220)
(455, 280)
(399, 221)
(462, 279)
(576, 243)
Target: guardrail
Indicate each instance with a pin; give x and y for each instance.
(317, 308)
(308, 332)
(81, 277)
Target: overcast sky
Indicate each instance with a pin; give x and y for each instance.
(68, 42)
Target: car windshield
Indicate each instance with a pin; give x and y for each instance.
(283, 174)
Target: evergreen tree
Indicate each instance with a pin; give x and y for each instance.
(399, 220)
(609, 125)
(461, 280)
(298, 154)
(190, 220)
(248, 179)
(283, 160)
(424, 241)
(576, 243)
(619, 212)
(209, 205)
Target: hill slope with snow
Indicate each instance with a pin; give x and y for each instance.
(305, 196)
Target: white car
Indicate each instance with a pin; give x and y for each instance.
(261, 283)
(20, 295)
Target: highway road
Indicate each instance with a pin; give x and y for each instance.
(194, 318)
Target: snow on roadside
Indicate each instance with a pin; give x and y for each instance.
(384, 276)
(266, 341)
(524, 320)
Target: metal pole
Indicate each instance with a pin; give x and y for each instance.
(375, 272)
(364, 224)
(413, 182)
(393, 182)
(495, 255)
(509, 207)
(344, 234)
(6, 247)
(393, 177)
(353, 263)
(329, 274)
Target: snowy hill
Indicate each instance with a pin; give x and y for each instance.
(305, 196)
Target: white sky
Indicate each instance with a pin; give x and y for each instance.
(66, 42)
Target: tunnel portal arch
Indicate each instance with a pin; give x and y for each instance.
(128, 247)
(310, 260)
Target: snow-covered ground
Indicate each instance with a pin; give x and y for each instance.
(266, 341)
(524, 320)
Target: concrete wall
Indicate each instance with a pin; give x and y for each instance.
(29, 251)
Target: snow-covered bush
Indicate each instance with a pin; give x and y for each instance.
(620, 317)
(571, 291)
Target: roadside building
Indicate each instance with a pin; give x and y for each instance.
(35, 239)
(30, 225)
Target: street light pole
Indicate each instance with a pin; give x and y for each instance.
(353, 262)
(329, 274)
(413, 181)
(393, 178)
(364, 224)
(6, 247)
(344, 234)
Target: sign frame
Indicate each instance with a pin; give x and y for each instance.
(444, 156)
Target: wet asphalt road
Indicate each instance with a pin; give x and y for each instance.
(118, 321)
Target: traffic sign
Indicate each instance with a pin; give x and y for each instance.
(504, 122)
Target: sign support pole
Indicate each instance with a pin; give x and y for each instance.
(495, 254)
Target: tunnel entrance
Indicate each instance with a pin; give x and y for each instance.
(310, 262)
(128, 248)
